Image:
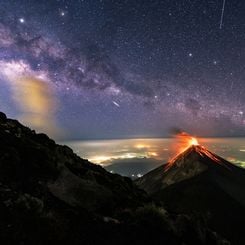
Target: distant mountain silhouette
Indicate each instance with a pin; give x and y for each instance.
(198, 181)
(48, 195)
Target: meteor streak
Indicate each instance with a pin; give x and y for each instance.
(222, 15)
(115, 103)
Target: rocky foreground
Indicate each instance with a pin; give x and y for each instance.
(49, 195)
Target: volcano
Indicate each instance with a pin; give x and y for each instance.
(198, 181)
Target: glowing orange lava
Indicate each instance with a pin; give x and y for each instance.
(184, 141)
(206, 153)
(193, 141)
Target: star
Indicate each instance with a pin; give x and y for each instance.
(22, 20)
(62, 13)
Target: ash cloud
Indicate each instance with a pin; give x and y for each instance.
(175, 131)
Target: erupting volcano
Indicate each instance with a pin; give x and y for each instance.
(199, 181)
(194, 160)
(201, 151)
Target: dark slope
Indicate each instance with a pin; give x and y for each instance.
(48, 195)
(32, 162)
(198, 181)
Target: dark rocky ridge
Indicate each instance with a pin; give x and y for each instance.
(198, 181)
(48, 195)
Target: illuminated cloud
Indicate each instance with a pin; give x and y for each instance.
(34, 96)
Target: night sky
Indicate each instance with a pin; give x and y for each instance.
(121, 69)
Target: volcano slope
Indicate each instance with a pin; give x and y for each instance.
(202, 183)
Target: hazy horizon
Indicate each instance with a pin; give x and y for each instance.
(151, 151)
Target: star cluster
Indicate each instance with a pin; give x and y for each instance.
(124, 68)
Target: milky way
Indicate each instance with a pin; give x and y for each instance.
(128, 68)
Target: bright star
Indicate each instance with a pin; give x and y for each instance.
(21, 20)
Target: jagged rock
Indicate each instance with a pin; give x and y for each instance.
(3, 117)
